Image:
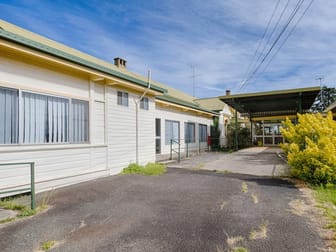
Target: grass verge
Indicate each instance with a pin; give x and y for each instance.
(326, 196)
(150, 169)
(22, 210)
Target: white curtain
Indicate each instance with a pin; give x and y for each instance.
(45, 118)
(58, 122)
(34, 117)
(8, 116)
(80, 121)
(172, 130)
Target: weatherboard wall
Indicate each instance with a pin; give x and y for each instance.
(56, 164)
(122, 131)
(170, 113)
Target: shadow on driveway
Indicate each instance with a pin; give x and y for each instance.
(261, 161)
(182, 210)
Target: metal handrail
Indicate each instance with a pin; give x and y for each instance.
(32, 182)
(172, 141)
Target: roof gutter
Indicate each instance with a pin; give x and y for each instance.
(12, 37)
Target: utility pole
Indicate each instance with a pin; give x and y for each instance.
(321, 86)
(193, 76)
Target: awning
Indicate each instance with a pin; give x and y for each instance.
(273, 103)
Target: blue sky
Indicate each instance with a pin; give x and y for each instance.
(217, 37)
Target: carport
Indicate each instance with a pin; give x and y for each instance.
(266, 110)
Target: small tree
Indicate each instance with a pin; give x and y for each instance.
(244, 136)
(311, 148)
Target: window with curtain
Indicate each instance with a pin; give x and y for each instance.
(189, 132)
(80, 121)
(9, 116)
(172, 131)
(144, 103)
(123, 98)
(203, 133)
(45, 119)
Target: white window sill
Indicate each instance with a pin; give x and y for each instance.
(45, 147)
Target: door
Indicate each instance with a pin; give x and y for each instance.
(158, 135)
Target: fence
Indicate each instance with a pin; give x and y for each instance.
(32, 183)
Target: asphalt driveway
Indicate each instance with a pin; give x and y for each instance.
(183, 210)
(261, 161)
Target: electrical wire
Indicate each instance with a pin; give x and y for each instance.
(292, 15)
(288, 35)
(253, 62)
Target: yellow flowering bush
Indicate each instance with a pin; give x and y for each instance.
(311, 148)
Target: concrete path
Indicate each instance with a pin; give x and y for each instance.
(261, 161)
(183, 210)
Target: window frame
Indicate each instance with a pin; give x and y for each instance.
(187, 138)
(168, 141)
(144, 103)
(205, 127)
(66, 113)
(122, 98)
(14, 117)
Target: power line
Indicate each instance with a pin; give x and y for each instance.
(260, 42)
(292, 15)
(288, 35)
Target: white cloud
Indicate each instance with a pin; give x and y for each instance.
(218, 37)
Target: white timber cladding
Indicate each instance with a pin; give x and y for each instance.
(168, 113)
(98, 132)
(17, 74)
(122, 131)
(56, 165)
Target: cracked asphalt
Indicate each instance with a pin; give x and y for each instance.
(182, 210)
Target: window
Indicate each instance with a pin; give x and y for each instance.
(43, 118)
(80, 121)
(203, 133)
(144, 103)
(172, 131)
(189, 132)
(9, 116)
(123, 98)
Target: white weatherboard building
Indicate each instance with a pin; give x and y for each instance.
(75, 115)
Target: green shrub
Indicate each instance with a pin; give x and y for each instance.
(149, 169)
(311, 148)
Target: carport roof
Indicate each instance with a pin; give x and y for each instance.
(273, 103)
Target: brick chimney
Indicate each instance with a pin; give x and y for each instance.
(227, 92)
(119, 62)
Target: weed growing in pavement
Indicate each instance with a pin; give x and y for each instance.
(224, 203)
(244, 187)
(260, 233)
(254, 198)
(47, 245)
(150, 169)
(239, 249)
(198, 167)
(9, 219)
(233, 241)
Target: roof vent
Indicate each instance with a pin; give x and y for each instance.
(119, 62)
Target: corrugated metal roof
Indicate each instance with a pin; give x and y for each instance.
(213, 103)
(273, 103)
